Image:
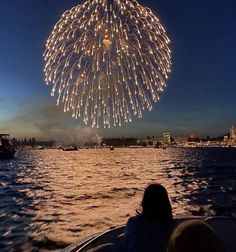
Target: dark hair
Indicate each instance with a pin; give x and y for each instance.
(156, 203)
(194, 236)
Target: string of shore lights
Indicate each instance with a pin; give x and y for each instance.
(108, 60)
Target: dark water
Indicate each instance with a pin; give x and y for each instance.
(50, 198)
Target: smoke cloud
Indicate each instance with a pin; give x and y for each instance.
(42, 119)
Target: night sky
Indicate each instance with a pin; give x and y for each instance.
(200, 97)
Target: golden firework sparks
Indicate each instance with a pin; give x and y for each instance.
(107, 61)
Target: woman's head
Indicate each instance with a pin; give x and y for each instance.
(156, 203)
(194, 236)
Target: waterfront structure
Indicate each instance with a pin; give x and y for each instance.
(233, 132)
(180, 141)
(166, 138)
(148, 141)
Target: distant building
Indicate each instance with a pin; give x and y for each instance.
(233, 132)
(226, 138)
(181, 140)
(166, 138)
(148, 141)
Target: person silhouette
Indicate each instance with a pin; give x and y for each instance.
(194, 236)
(151, 228)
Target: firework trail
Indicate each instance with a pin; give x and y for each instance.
(108, 61)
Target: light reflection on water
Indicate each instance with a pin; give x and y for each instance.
(51, 198)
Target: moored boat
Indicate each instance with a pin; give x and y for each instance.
(7, 149)
(70, 148)
(223, 226)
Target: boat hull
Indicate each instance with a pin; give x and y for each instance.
(224, 227)
(5, 154)
(7, 149)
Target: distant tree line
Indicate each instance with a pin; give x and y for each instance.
(32, 142)
(129, 141)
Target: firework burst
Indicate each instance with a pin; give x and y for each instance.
(107, 61)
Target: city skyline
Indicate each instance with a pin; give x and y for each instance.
(200, 94)
(166, 139)
(86, 134)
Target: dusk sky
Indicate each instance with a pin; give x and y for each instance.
(201, 90)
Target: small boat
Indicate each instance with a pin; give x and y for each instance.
(223, 226)
(111, 148)
(41, 148)
(7, 149)
(70, 148)
(135, 146)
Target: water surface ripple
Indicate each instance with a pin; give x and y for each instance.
(51, 198)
